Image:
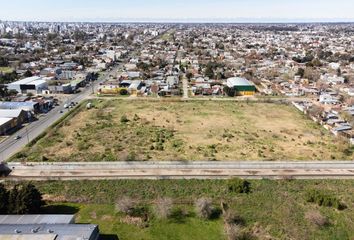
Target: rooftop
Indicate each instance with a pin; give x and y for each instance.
(48, 231)
(36, 219)
(237, 81)
(30, 80)
(4, 120)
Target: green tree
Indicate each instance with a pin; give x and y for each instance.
(189, 75)
(3, 91)
(209, 72)
(28, 73)
(4, 197)
(30, 200)
(13, 201)
(301, 72)
(25, 199)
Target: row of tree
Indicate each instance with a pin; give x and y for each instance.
(21, 199)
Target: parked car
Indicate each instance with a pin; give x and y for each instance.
(17, 137)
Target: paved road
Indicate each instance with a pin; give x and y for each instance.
(182, 170)
(11, 146)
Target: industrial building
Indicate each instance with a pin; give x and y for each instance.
(242, 86)
(34, 85)
(26, 106)
(11, 119)
(45, 227)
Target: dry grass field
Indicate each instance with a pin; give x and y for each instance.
(123, 130)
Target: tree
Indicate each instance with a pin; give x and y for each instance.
(339, 72)
(209, 72)
(301, 72)
(25, 200)
(28, 73)
(30, 200)
(189, 75)
(3, 91)
(13, 200)
(4, 197)
(4, 62)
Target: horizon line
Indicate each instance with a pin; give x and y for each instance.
(198, 20)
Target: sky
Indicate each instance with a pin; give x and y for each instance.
(178, 10)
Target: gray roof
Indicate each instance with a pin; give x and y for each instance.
(36, 219)
(237, 81)
(62, 231)
(17, 105)
(10, 113)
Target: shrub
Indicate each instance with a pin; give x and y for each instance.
(231, 217)
(316, 218)
(204, 208)
(124, 119)
(163, 207)
(239, 185)
(323, 199)
(125, 205)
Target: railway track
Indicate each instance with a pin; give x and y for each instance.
(181, 170)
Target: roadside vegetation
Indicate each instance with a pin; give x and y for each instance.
(207, 209)
(121, 130)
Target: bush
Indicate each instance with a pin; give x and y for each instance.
(231, 217)
(125, 205)
(163, 207)
(317, 218)
(204, 208)
(124, 119)
(239, 185)
(323, 199)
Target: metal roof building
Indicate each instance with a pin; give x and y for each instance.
(242, 86)
(49, 231)
(36, 219)
(45, 227)
(27, 106)
(35, 84)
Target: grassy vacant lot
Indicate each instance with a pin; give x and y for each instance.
(6, 69)
(140, 130)
(272, 210)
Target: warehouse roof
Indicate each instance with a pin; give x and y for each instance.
(237, 81)
(29, 81)
(4, 120)
(36, 219)
(10, 113)
(61, 231)
(17, 105)
(28, 237)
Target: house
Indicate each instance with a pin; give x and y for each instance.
(328, 99)
(172, 80)
(34, 85)
(242, 86)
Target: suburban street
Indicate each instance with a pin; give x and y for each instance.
(10, 146)
(181, 170)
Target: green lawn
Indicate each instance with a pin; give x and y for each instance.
(273, 208)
